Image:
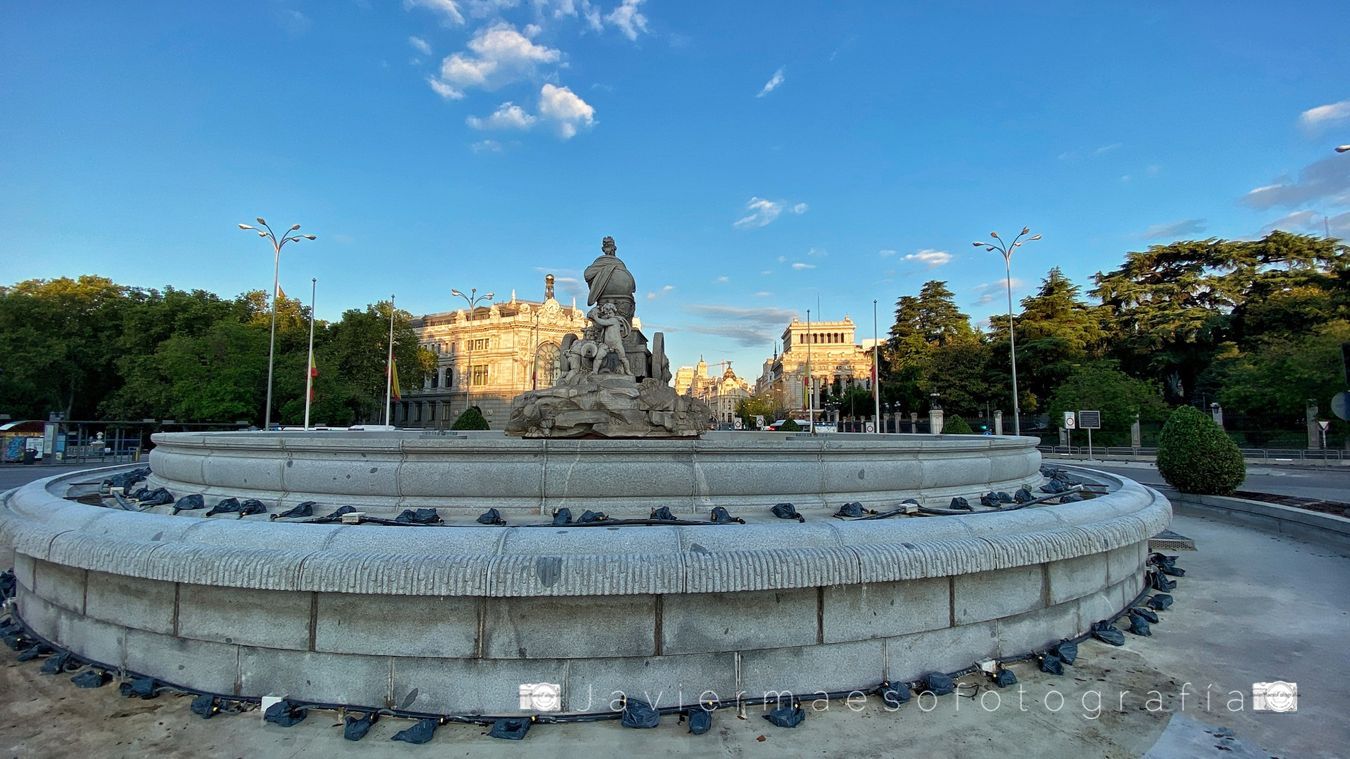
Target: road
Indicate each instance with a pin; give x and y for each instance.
(1326, 485)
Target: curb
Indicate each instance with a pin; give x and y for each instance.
(1326, 529)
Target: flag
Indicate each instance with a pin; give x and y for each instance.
(313, 375)
(393, 382)
(281, 294)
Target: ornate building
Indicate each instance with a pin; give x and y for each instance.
(487, 357)
(829, 349)
(720, 393)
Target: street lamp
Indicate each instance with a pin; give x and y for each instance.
(1006, 250)
(1343, 148)
(277, 245)
(472, 299)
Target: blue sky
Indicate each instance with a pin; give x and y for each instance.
(750, 158)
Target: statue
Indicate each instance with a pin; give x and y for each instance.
(610, 384)
(610, 281)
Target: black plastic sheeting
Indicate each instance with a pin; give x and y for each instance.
(852, 510)
(562, 517)
(1148, 614)
(224, 506)
(60, 663)
(591, 517)
(639, 714)
(1138, 624)
(337, 514)
(1067, 651)
(786, 716)
(700, 721)
(302, 509)
(125, 480)
(491, 516)
(995, 499)
(1160, 602)
(144, 688)
(1052, 664)
(285, 714)
(939, 684)
(1004, 677)
(960, 504)
(1159, 581)
(1108, 633)
(355, 728)
(418, 516)
(36, 652)
(1023, 495)
(156, 497)
(510, 729)
(1166, 564)
(91, 678)
(787, 511)
(894, 694)
(418, 733)
(720, 515)
(191, 502)
(662, 514)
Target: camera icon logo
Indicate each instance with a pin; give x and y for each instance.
(1275, 696)
(541, 697)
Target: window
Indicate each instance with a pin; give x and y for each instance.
(480, 376)
(479, 344)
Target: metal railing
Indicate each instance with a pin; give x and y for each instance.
(1264, 455)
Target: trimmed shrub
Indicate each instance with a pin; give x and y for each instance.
(1195, 456)
(955, 425)
(790, 426)
(471, 419)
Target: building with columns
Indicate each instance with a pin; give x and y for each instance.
(720, 393)
(487, 357)
(825, 350)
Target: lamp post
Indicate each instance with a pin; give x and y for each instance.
(1343, 148)
(277, 244)
(1006, 250)
(472, 299)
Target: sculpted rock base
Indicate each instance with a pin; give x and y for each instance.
(607, 405)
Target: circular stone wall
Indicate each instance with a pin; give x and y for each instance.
(453, 620)
(384, 472)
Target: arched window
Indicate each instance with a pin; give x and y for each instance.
(546, 365)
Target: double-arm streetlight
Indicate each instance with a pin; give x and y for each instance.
(1006, 249)
(473, 299)
(277, 244)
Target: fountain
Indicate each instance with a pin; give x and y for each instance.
(470, 616)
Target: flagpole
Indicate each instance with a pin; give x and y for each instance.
(389, 366)
(309, 368)
(810, 379)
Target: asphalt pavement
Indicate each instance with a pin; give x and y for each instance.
(1330, 484)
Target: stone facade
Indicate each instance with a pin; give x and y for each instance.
(487, 357)
(825, 350)
(720, 393)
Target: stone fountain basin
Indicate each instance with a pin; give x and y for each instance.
(453, 620)
(467, 473)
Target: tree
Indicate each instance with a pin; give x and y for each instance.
(1195, 456)
(1056, 331)
(762, 404)
(856, 402)
(955, 425)
(1100, 386)
(470, 419)
(933, 348)
(1272, 382)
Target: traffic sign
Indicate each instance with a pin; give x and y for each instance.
(1325, 424)
(1090, 420)
(1340, 405)
(1069, 422)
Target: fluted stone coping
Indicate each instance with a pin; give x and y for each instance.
(564, 561)
(384, 472)
(452, 619)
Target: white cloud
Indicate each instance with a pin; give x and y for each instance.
(1103, 150)
(507, 116)
(654, 294)
(930, 258)
(774, 82)
(817, 252)
(449, 9)
(722, 280)
(420, 45)
(443, 89)
(763, 294)
(498, 55)
(1312, 222)
(628, 19)
(988, 291)
(486, 146)
(800, 266)
(762, 212)
(1327, 178)
(886, 252)
(1175, 230)
(1325, 114)
(566, 109)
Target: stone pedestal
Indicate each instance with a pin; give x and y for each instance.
(607, 405)
(998, 422)
(935, 421)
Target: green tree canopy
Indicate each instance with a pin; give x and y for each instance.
(1100, 386)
